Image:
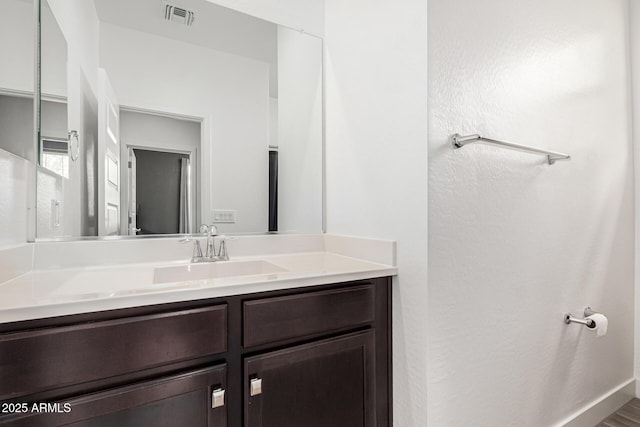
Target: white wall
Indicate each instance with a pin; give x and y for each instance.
(299, 132)
(376, 162)
(78, 22)
(513, 242)
(53, 51)
(307, 15)
(634, 36)
(17, 45)
(14, 176)
(227, 91)
(273, 122)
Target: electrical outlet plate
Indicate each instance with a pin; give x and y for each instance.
(223, 216)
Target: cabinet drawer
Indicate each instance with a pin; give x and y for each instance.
(34, 361)
(282, 318)
(184, 399)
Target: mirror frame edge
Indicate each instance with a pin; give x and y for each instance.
(324, 136)
(32, 186)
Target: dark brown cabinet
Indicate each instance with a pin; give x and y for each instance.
(325, 383)
(275, 319)
(40, 359)
(194, 398)
(308, 357)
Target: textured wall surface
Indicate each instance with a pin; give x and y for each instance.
(376, 162)
(514, 243)
(634, 37)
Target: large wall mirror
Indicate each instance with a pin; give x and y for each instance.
(17, 47)
(160, 116)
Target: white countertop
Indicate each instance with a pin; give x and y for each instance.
(64, 291)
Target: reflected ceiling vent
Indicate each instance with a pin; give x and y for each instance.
(180, 15)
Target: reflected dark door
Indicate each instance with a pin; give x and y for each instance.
(158, 181)
(273, 190)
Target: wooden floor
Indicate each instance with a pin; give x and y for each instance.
(627, 416)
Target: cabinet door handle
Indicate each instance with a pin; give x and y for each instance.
(255, 388)
(217, 398)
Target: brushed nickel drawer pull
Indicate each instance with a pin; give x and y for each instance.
(217, 398)
(256, 386)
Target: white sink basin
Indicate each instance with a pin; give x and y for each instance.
(213, 270)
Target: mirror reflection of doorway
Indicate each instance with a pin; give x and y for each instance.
(162, 196)
(161, 193)
(162, 172)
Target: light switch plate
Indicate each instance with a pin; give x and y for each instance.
(223, 216)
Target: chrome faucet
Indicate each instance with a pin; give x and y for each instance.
(222, 250)
(196, 256)
(210, 255)
(210, 231)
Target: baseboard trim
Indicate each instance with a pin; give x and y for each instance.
(596, 411)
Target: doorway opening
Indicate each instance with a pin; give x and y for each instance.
(162, 171)
(161, 191)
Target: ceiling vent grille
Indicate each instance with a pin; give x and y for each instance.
(174, 13)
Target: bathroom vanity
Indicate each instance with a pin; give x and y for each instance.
(293, 331)
(312, 351)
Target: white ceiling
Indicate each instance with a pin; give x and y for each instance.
(215, 27)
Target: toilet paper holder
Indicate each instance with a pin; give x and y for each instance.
(589, 323)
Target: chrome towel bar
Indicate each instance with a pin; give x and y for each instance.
(459, 141)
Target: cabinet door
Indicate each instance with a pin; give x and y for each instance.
(185, 399)
(326, 383)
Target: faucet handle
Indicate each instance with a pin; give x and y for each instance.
(197, 249)
(209, 230)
